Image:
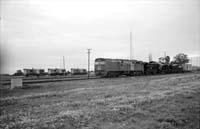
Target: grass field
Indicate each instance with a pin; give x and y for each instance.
(143, 102)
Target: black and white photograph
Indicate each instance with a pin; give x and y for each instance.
(99, 64)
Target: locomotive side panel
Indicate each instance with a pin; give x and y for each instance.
(112, 65)
(124, 67)
(136, 68)
(139, 67)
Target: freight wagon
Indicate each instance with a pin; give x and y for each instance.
(56, 71)
(37, 72)
(77, 71)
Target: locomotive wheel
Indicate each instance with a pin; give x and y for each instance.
(108, 75)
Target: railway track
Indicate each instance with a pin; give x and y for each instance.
(48, 79)
(72, 78)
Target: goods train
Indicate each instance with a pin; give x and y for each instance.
(50, 72)
(39, 72)
(105, 67)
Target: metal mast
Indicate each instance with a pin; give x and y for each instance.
(89, 62)
(64, 64)
(131, 53)
(150, 57)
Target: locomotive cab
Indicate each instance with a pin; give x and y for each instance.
(100, 67)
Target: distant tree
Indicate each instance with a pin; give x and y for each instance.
(181, 58)
(167, 59)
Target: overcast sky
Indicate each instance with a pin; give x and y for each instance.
(38, 33)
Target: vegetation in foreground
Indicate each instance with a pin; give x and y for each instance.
(153, 102)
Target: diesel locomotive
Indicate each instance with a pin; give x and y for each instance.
(105, 67)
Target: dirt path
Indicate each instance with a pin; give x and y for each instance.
(139, 102)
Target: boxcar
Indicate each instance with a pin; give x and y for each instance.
(56, 71)
(37, 72)
(78, 71)
(51, 71)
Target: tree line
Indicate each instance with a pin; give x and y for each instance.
(180, 59)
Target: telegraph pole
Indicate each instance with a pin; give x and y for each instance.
(150, 57)
(89, 62)
(131, 45)
(64, 64)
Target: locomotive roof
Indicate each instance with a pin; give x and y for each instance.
(55, 69)
(103, 59)
(32, 69)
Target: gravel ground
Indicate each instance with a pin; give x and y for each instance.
(144, 102)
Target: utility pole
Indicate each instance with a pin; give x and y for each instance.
(131, 45)
(64, 64)
(150, 57)
(89, 62)
(164, 53)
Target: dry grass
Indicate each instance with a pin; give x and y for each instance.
(151, 102)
